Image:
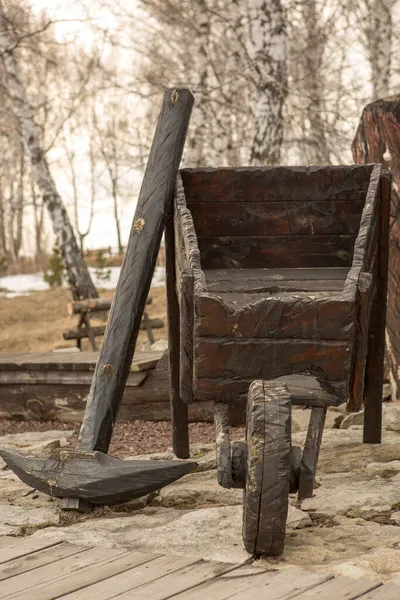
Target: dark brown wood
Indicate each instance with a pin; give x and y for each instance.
(251, 252)
(94, 477)
(377, 140)
(223, 444)
(310, 317)
(268, 437)
(365, 298)
(269, 184)
(186, 333)
(179, 409)
(219, 358)
(134, 281)
(309, 459)
(376, 349)
(326, 217)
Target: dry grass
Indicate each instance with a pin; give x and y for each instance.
(35, 323)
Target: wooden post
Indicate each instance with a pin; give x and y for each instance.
(309, 460)
(179, 409)
(376, 347)
(186, 329)
(137, 270)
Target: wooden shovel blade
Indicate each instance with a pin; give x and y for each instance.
(94, 476)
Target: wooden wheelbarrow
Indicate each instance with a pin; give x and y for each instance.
(279, 285)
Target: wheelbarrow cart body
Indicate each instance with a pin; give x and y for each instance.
(279, 274)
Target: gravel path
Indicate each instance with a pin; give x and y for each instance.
(135, 437)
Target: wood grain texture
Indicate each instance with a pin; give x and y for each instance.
(333, 217)
(268, 437)
(292, 317)
(134, 282)
(309, 459)
(93, 476)
(271, 184)
(179, 410)
(377, 140)
(186, 336)
(376, 350)
(252, 252)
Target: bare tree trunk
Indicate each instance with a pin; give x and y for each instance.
(313, 92)
(3, 239)
(20, 204)
(199, 78)
(77, 272)
(116, 215)
(379, 45)
(265, 43)
(38, 215)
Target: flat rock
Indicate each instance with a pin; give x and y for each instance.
(382, 564)
(391, 417)
(15, 519)
(355, 418)
(363, 494)
(36, 439)
(297, 519)
(332, 541)
(197, 490)
(209, 533)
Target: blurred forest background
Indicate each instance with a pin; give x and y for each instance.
(275, 82)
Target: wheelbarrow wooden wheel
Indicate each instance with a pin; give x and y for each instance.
(268, 436)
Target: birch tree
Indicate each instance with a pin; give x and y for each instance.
(263, 33)
(77, 272)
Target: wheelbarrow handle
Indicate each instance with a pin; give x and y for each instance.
(136, 274)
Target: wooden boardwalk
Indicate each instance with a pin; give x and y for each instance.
(44, 570)
(53, 386)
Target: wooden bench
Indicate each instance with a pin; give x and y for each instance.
(84, 329)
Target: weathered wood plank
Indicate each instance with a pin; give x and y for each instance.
(131, 579)
(375, 358)
(186, 336)
(89, 567)
(384, 592)
(37, 377)
(34, 560)
(275, 318)
(258, 358)
(71, 361)
(234, 391)
(242, 584)
(17, 547)
(177, 582)
(333, 217)
(340, 588)
(179, 410)
(94, 305)
(98, 330)
(269, 184)
(249, 252)
(233, 277)
(44, 583)
(309, 459)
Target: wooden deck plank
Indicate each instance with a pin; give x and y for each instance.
(243, 585)
(71, 361)
(178, 582)
(58, 377)
(44, 583)
(385, 592)
(31, 561)
(131, 579)
(17, 547)
(340, 588)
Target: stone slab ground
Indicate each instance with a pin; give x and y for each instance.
(350, 527)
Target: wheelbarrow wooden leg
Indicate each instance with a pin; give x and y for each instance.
(179, 409)
(309, 460)
(376, 348)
